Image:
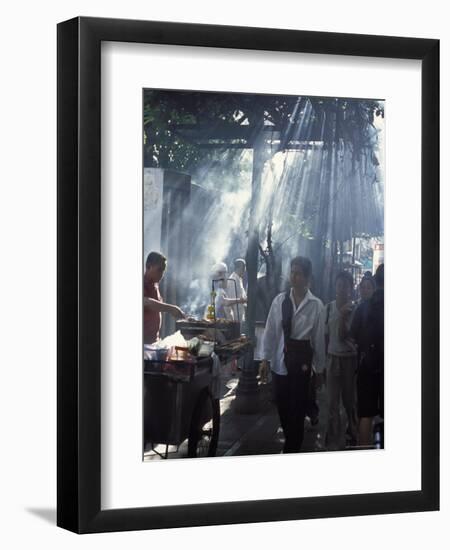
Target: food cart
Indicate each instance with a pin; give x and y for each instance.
(181, 392)
(179, 404)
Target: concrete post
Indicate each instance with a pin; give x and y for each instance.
(247, 396)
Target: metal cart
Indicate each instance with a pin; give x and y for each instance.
(180, 404)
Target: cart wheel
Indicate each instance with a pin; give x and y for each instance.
(205, 424)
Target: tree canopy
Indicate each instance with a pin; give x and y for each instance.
(182, 129)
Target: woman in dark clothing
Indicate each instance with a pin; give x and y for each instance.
(366, 288)
(367, 330)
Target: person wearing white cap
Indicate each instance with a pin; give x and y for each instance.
(219, 276)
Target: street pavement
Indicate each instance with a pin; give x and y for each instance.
(251, 434)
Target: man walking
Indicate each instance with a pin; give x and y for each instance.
(292, 339)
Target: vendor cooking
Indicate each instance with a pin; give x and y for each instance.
(155, 267)
(219, 276)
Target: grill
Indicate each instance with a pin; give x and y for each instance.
(221, 329)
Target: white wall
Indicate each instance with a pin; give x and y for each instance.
(28, 274)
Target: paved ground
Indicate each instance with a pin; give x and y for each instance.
(250, 434)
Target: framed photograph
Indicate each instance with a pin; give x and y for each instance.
(229, 199)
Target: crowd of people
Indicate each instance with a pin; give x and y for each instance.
(306, 346)
(339, 346)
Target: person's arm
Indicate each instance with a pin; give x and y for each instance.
(344, 321)
(233, 301)
(268, 343)
(162, 307)
(355, 324)
(320, 343)
(318, 338)
(242, 292)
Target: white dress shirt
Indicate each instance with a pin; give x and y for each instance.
(306, 325)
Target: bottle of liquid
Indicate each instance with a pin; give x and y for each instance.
(211, 311)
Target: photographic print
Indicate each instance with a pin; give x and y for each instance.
(263, 262)
(221, 274)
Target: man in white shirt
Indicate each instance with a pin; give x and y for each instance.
(236, 289)
(292, 342)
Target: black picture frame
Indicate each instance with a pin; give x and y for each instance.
(79, 280)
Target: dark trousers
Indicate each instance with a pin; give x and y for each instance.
(291, 393)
